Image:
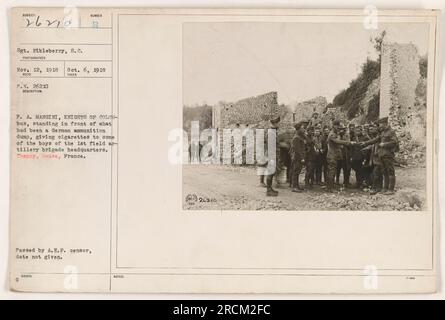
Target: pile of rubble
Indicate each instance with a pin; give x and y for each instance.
(333, 113)
(406, 200)
(410, 152)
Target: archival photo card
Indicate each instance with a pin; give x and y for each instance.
(223, 150)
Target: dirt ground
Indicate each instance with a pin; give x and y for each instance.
(219, 187)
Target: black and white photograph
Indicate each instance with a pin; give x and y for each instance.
(195, 151)
(305, 116)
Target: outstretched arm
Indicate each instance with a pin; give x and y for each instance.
(369, 142)
(340, 141)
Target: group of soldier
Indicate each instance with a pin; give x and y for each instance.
(327, 151)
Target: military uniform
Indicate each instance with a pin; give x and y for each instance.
(351, 131)
(345, 162)
(334, 155)
(318, 163)
(310, 161)
(348, 157)
(297, 154)
(262, 163)
(274, 163)
(377, 169)
(357, 158)
(386, 152)
(368, 165)
(324, 153)
(375, 164)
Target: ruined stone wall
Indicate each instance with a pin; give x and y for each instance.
(247, 111)
(304, 110)
(401, 99)
(399, 78)
(216, 116)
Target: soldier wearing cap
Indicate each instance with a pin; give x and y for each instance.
(358, 156)
(310, 158)
(324, 152)
(370, 156)
(384, 147)
(388, 145)
(345, 162)
(297, 154)
(318, 163)
(334, 154)
(376, 176)
(273, 165)
(349, 135)
(351, 131)
(366, 129)
(314, 121)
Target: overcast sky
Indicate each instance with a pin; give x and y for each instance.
(231, 61)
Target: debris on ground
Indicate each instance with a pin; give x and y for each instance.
(407, 200)
(237, 188)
